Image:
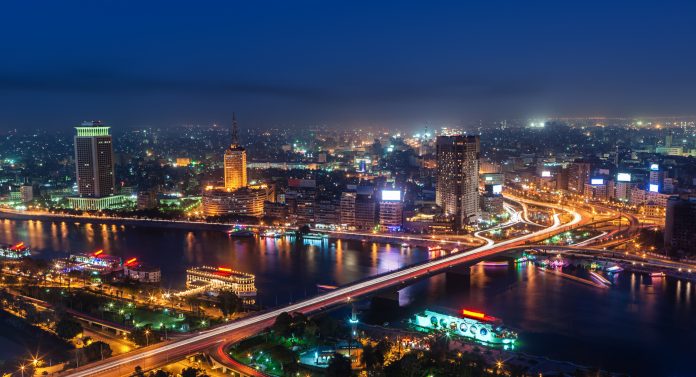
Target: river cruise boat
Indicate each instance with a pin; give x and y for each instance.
(240, 233)
(16, 251)
(468, 324)
(315, 236)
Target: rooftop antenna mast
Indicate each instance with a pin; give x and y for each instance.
(235, 137)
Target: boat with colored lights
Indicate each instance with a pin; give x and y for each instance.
(96, 262)
(240, 233)
(272, 233)
(314, 236)
(468, 324)
(16, 251)
(206, 279)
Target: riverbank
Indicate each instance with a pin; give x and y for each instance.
(393, 238)
(153, 223)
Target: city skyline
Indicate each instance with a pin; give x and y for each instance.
(342, 65)
(347, 189)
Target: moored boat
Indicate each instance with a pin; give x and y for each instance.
(469, 324)
(16, 251)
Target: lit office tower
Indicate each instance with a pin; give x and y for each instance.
(457, 178)
(94, 160)
(235, 162)
(657, 177)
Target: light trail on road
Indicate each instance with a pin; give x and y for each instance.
(344, 294)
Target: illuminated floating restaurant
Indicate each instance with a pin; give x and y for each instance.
(97, 262)
(468, 324)
(15, 251)
(206, 278)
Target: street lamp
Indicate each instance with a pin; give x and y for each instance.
(147, 338)
(21, 368)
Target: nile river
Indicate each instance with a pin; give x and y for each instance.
(639, 326)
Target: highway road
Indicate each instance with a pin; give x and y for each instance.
(163, 353)
(617, 256)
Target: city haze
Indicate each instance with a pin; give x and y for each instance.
(352, 64)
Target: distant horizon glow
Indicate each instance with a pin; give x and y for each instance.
(178, 63)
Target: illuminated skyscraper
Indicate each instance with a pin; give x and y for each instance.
(235, 197)
(235, 163)
(94, 168)
(457, 178)
(94, 160)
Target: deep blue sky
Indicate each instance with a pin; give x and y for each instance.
(160, 63)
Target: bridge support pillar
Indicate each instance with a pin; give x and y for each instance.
(464, 270)
(385, 302)
(458, 277)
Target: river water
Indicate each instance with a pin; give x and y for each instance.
(640, 326)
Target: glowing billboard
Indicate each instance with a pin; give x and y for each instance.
(597, 181)
(497, 189)
(654, 188)
(654, 167)
(546, 173)
(391, 195)
(623, 177)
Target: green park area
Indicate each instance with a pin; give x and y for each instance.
(277, 351)
(148, 323)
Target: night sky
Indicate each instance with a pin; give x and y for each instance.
(393, 63)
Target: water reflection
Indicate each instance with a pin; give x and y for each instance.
(641, 326)
(285, 265)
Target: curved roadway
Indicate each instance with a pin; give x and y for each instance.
(162, 353)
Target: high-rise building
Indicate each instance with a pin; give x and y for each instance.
(623, 190)
(147, 199)
(365, 211)
(94, 160)
(327, 211)
(94, 167)
(579, 175)
(276, 210)
(26, 193)
(347, 212)
(680, 222)
(246, 201)
(562, 179)
(457, 178)
(655, 183)
(235, 163)
(301, 197)
(391, 210)
(236, 198)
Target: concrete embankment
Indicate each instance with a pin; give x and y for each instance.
(190, 225)
(415, 240)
